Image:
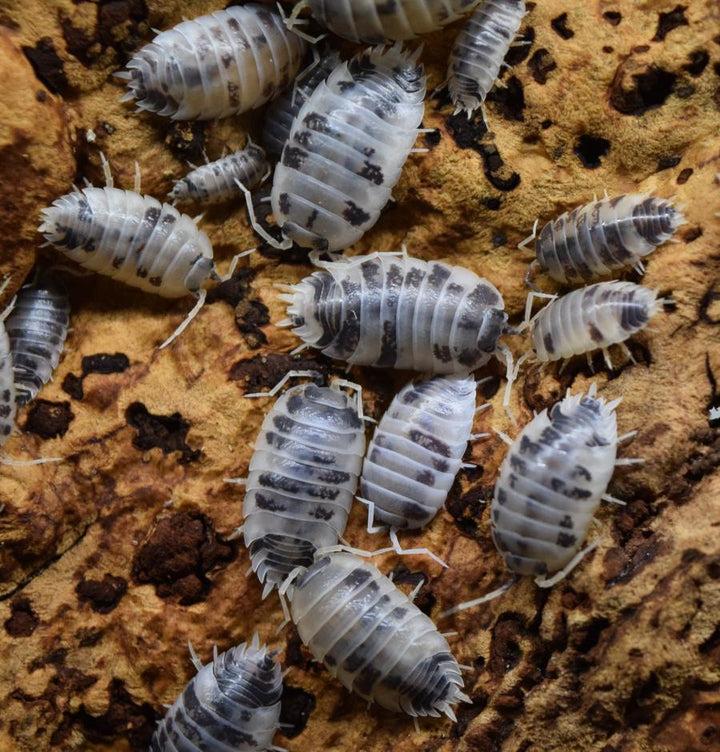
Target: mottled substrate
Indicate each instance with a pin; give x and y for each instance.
(104, 582)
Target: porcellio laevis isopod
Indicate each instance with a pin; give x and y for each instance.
(216, 181)
(281, 113)
(593, 317)
(602, 237)
(232, 703)
(134, 239)
(216, 65)
(37, 328)
(391, 310)
(373, 638)
(480, 50)
(374, 21)
(416, 452)
(346, 150)
(302, 479)
(8, 407)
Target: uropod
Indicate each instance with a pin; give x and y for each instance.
(217, 65)
(551, 482)
(374, 21)
(232, 703)
(346, 150)
(134, 239)
(372, 637)
(302, 476)
(602, 237)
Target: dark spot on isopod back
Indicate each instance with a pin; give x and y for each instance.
(647, 89)
(48, 419)
(167, 432)
(590, 149)
(560, 27)
(23, 620)
(177, 555)
(297, 705)
(669, 21)
(102, 595)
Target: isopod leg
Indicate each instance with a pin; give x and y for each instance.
(546, 582)
(138, 178)
(194, 657)
(259, 229)
(107, 172)
(413, 551)
(477, 601)
(372, 529)
(358, 390)
(187, 320)
(530, 237)
(284, 380)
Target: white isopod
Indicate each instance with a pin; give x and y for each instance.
(217, 181)
(346, 150)
(37, 328)
(232, 703)
(551, 482)
(134, 239)
(374, 21)
(373, 638)
(302, 477)
(599, 238)
(8, 407)
(597, 316)
(480, 50)
(216, 65)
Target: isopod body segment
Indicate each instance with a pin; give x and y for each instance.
(347, 147)
(216, 181)
(592, 317)
(302, 479)
(8, 407)
(479, 52)
(233, 703)
(417, 450)
(599, 238)
(373, 638)
(394, 311)
(37, 328)
(217, 65)
(551, 482)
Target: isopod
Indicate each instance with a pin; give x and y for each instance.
(416, 452)
(8, 407)
(216, 181)
(374, 21)
(346, 150)
(551, 482)
(232, 703)
(479, 52)
(391, 310)
(134, 239)
(596, 316)
(221, 64)
(281, 113)
(599, 238)
(373, 638)
(302, 478)
(37, 328)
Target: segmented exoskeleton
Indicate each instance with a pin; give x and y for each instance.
(216, 65)
(232, 703)
(599, 238)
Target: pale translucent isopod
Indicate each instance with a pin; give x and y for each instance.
(227, 62)
(232, 703)
(8, 408)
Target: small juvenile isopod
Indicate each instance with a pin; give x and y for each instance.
(216, 181)
(416, 452)
(37, 328)
(346, 150)
(373, 638)
(281, 113)
(391, 310)
(134, 239)
(232, 703)
(302, 478)
(480, 50)
(599, 238)
(221, 64)
(551, 482)
(374, 21)
(597, 316)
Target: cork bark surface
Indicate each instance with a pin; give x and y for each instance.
(113, 559)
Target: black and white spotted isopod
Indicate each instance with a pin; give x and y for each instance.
(8, 407)
(221, 64)
(480, 50)
(346, 150)
(373, 638)
(599, 238)
(233, 703)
